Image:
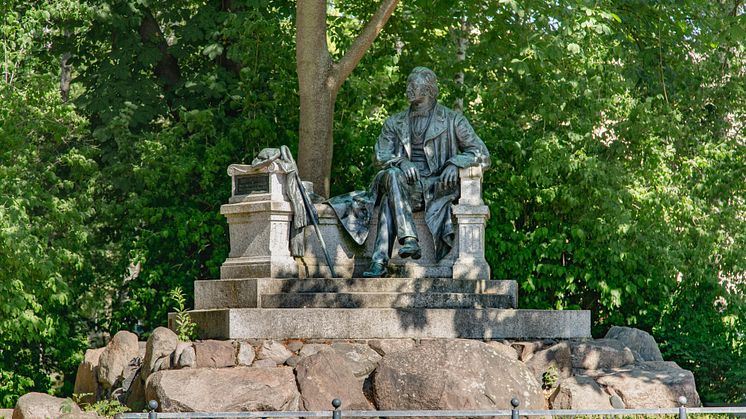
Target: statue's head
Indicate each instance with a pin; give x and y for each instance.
(421, 83)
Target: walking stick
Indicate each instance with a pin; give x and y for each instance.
(310, 209)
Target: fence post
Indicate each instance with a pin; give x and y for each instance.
(336, 414)
(152, 405)
(514, 413)
(682, 407)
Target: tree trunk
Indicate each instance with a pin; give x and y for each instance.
(316, 145)
(314, 65)
(319, 80)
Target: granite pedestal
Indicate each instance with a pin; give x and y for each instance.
(390, 323)
(265, 293)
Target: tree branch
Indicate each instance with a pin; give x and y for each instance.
(167, 68)
(6, 72)
(737, 4)
(356, 51)
(223, 60)
(66, 76)
(66, 71)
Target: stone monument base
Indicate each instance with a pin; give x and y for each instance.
(389, 323)
(354, 293)
(368, 308)
(264, 292)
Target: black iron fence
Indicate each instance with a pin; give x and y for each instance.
(513, 413)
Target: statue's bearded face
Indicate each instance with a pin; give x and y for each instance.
(418, 91)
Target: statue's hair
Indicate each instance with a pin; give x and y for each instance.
(427, 76)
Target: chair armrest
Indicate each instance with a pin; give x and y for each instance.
(471, 185)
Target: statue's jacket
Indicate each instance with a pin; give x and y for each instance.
(449, 139)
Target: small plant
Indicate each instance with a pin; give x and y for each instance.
(550, 377)
(185, 327)
(105, 408)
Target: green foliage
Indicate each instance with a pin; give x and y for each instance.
(614, 185)
(618, 142)
(51, 284)
(616, 130)
(550, 377)
(102, 408)
(166, 145)
(185, 327)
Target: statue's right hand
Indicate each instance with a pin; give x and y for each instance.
(410, 171)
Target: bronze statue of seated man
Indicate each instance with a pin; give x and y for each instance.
(420, 151)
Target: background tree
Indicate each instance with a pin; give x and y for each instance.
(50, 256)
(616, 129)
(320, 79)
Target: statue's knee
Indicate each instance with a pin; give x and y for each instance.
(393, 174)
(394, 171)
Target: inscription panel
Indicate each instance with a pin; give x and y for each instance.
(251, 184)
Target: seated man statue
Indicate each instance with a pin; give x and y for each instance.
(420, 151)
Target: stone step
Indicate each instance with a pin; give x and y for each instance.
(390, 285)
(246, 292)
(383, 323)
(386, 300)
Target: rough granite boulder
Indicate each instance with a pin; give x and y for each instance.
(293, 361)
(6, 413)
(360, 357)
(325, 376)
(601, 353)
(214, 354)
(184, 356)
(526, 350)
(637, 340)
(115, 358)
(142, 348)
(42, 406)
(294, 346)
(86, 379)
(559, 355)
(580, 392)
(135, 396)
(246, 353)
(453, 374)
(652, 384)
(161, 344)
(312, 348)
(504, 349)
(239, 389)
(264, 363)
(385, 346)
(276, 351)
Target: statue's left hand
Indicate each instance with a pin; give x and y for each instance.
(449, 177)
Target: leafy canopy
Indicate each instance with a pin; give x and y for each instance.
(616, 129)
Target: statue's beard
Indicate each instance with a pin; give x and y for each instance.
(424, 105)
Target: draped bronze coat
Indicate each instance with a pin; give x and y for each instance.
(449, 139)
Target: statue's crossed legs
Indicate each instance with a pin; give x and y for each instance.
(398, 199)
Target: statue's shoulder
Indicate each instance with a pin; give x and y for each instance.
(396, 118)
(449, 113)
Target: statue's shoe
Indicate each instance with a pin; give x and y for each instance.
(376, 270)
(410, 248)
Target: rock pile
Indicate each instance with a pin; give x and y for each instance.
(624, 369)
